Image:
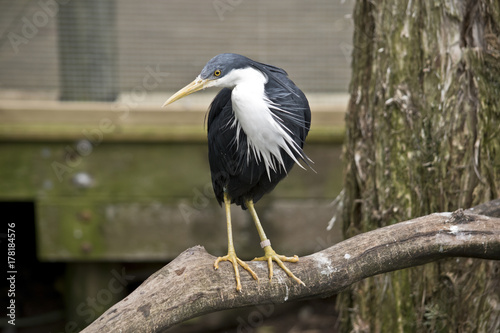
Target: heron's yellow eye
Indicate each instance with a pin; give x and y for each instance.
(217, 72)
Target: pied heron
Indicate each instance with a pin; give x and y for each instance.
(257, 125)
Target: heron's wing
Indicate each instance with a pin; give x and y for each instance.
(218, 136)
(287, 97)
(226, 153)
(290, 109)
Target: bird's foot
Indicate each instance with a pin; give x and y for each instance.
(231, 256)
(270, 255)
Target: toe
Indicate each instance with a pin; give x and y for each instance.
(271, 255)
(235, 261)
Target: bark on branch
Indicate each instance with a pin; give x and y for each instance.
(188, 286)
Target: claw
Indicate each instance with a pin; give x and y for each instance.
(231, 256)
(271, 255)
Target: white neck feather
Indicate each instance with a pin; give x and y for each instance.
(251, 107)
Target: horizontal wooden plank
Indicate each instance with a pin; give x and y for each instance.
(160, 230)
(128, 122)
(85, 170)
(136, 133)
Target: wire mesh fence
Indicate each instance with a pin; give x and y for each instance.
(96, 50)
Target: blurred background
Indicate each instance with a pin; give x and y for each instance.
(105, 187)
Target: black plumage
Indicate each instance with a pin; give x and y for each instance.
(233, 166)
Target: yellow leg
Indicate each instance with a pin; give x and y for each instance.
(269, 253)
(231, 253)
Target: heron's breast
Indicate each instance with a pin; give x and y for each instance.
(253, 115)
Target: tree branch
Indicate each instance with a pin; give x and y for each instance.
(189, 286)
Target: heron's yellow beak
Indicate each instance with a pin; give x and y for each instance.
(196, 85)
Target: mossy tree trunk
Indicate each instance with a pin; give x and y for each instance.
(423, 136)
